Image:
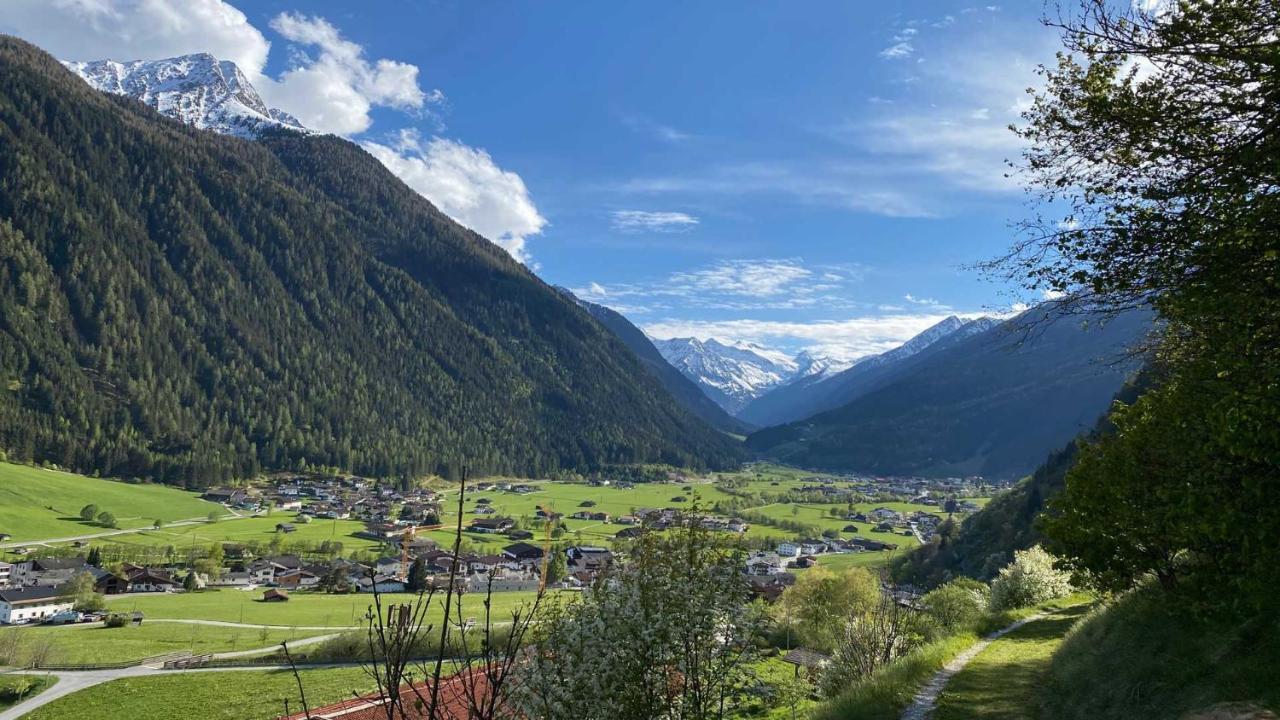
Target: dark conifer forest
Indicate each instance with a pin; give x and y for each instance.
(188, 307)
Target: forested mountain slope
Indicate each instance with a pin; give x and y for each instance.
(993, 404)
(681, 388)
(189, 306)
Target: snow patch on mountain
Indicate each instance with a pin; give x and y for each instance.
(196, 89)
(733, 374)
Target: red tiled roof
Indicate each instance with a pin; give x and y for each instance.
(453, 702)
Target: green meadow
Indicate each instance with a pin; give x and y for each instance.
(258, 695)
(303, 609)
(39, 504)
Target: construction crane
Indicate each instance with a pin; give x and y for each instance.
(406, 540)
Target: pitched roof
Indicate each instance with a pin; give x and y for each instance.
(27, 595)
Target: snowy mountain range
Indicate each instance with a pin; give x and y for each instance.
(199, 90)
(811, 395)
(734, 374)
(748, 380)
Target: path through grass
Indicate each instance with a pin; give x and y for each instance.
(1004, 681)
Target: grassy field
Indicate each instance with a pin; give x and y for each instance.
(257, 695)
(302, 609)
(37, 504)
(1006, 679)
(14, 688)
(77, 644)
(262, 529)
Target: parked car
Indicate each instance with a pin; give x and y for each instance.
(68, 617)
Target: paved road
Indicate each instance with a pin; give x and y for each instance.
(923, 703)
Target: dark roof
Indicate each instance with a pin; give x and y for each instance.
(56, 563)
(805, 657)
(17, 596)
(522, 550)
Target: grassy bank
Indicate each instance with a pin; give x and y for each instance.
(1148, 655)
(87, 644)
(37, 504)
(16, 688)
(884, 694)
(253, 695)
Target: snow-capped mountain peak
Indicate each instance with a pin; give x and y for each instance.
(730, 373)
(198, 89)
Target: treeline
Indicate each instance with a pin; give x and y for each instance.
(191, 308)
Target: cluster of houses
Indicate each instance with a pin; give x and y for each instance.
(333, 498)
(33, 589)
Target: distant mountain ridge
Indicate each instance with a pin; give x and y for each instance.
(198, 90)
(992, 403)
(734, 374)
(809, 396)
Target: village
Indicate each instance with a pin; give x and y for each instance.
(498, 551)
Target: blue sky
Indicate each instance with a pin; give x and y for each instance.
(813, 174)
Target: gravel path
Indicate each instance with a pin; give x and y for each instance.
(922, 704)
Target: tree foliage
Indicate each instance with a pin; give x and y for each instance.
(664, 635)
(820, 602)
(1157, 129)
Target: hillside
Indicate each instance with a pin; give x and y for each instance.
(187, 306)
(681, 388)
(987, 539)
(994, 404)
(811, 395)
(39, 504)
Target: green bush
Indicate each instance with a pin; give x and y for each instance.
(956, 605)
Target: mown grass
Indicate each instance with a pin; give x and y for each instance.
(1004, 680)
(261, 529)
(302, 609)
(38, 504)
(232, 695)
(86, 644)
(1148, 654)
(16, 688)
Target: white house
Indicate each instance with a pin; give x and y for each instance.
(6, 571)
(789, 549)
(32, 604)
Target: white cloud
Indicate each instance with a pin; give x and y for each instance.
(646, 126)
(852, 186)
(848, 339)
(335, 90)
(950, 120)
(752, 278)
(737, 285)
(897, 51)
(137, 29)
(640, 220)
(922, 300)
(466, 184)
